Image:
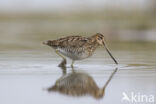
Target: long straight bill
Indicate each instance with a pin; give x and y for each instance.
(110, 53)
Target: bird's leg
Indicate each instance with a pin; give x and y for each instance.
(72, 65)
(64, 62)
(73, 70)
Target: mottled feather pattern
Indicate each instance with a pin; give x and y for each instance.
(72, 42)
(77, 45)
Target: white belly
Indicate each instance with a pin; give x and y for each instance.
(73, 55)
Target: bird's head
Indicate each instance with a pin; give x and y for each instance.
(101, 41)
(99, 38)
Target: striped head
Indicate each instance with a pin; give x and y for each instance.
(99, 38)
(101, 41)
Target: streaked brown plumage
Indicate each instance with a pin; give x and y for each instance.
(77, 47)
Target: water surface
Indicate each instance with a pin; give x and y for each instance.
(26, 75)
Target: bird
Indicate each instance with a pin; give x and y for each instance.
(77, 47)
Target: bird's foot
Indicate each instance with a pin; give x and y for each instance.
(63, 63)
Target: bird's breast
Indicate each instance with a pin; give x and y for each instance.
(74, 53)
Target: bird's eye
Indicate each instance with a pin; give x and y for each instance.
(99, 38)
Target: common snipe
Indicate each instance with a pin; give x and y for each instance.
(77, 47)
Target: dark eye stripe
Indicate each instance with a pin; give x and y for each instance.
(99, 38)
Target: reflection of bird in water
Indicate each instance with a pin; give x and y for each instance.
(77, 47)
(78, 84)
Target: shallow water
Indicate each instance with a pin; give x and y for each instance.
(25, 76)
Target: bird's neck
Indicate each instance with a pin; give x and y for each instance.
(93, 41)
(92, 45)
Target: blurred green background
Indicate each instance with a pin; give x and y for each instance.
(24, 24)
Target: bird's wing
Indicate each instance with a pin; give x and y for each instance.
(72, 42)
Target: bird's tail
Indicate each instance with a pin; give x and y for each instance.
(52, 43)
